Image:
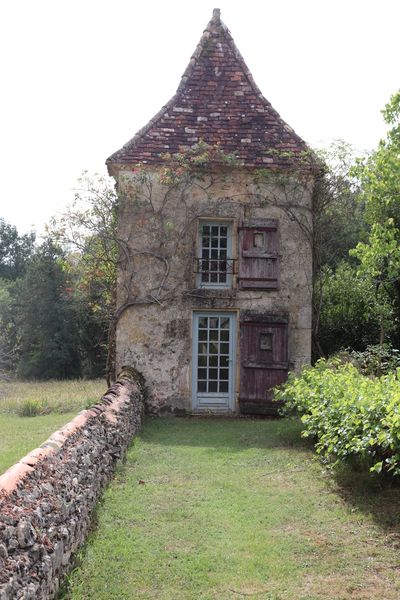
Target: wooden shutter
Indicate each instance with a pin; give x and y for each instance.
(258, 255)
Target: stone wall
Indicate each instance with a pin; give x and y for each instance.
(47, 498)
(154, 336)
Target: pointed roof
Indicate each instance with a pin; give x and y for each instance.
(218, 102)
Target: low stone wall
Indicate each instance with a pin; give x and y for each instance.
(46, 499)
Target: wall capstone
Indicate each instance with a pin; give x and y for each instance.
(47, 498)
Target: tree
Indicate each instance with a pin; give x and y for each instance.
(45, 318)
(15, 250)
(379, 175)
(338, 225)
(353, 314)
(87, 232)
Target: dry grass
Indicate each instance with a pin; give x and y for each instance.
(31, 398)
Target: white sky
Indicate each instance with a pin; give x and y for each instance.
(80, 77)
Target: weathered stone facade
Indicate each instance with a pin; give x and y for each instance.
(155, 337)
(46, 500)
(216, 156)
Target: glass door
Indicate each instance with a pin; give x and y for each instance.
(213, 361)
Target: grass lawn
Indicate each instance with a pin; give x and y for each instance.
(19, 435)
(53, 402)
(219, 509)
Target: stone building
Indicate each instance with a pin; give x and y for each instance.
(215, 236)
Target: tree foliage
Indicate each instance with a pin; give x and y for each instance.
(87, 230)
(15, 250)
(338, 224)
(45, 318)
(353, 312)
(379, 176)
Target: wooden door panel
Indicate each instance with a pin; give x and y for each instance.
(263, 364)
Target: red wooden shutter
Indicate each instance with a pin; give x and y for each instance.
(258, 255)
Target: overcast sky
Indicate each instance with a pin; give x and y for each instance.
(80, 77)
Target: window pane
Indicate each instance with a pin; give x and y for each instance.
(213, 348)
(214, 322)
(213, 373)
(202, 361)
(214, 229)
(223, 386)
(214, 334)
(203, 322)
(206, 229)
(223, 361)
(202, 386)
(224, 348)
(213, 386)
(224, 374)
(223, 230)
(214, 242)
(214, 266)
(203, 334)
(213, 361)
(224, 335)
(202, 347)
(202, 373)
(224, 322)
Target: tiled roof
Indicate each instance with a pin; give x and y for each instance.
(217, 102)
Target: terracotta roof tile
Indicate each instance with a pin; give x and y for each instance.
(218, 102)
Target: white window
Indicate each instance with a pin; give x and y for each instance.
(215, 265)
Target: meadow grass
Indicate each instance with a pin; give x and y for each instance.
(30, 398)
(219, 509)
(31, 411)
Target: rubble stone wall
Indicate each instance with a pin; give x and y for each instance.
(47, 498)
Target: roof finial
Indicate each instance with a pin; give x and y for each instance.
(216, 15)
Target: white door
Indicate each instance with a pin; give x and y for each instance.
(214, 336)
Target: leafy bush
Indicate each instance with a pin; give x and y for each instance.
(353, 311)
(376, 360)
(348, 414)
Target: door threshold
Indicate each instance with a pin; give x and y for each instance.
(214, 412)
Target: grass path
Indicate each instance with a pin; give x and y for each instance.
(222, 509)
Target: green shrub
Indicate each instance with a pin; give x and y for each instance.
(376, 360)
(348, 414)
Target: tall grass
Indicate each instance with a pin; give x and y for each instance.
(31, 398)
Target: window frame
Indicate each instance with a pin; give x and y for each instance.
(228, 284)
